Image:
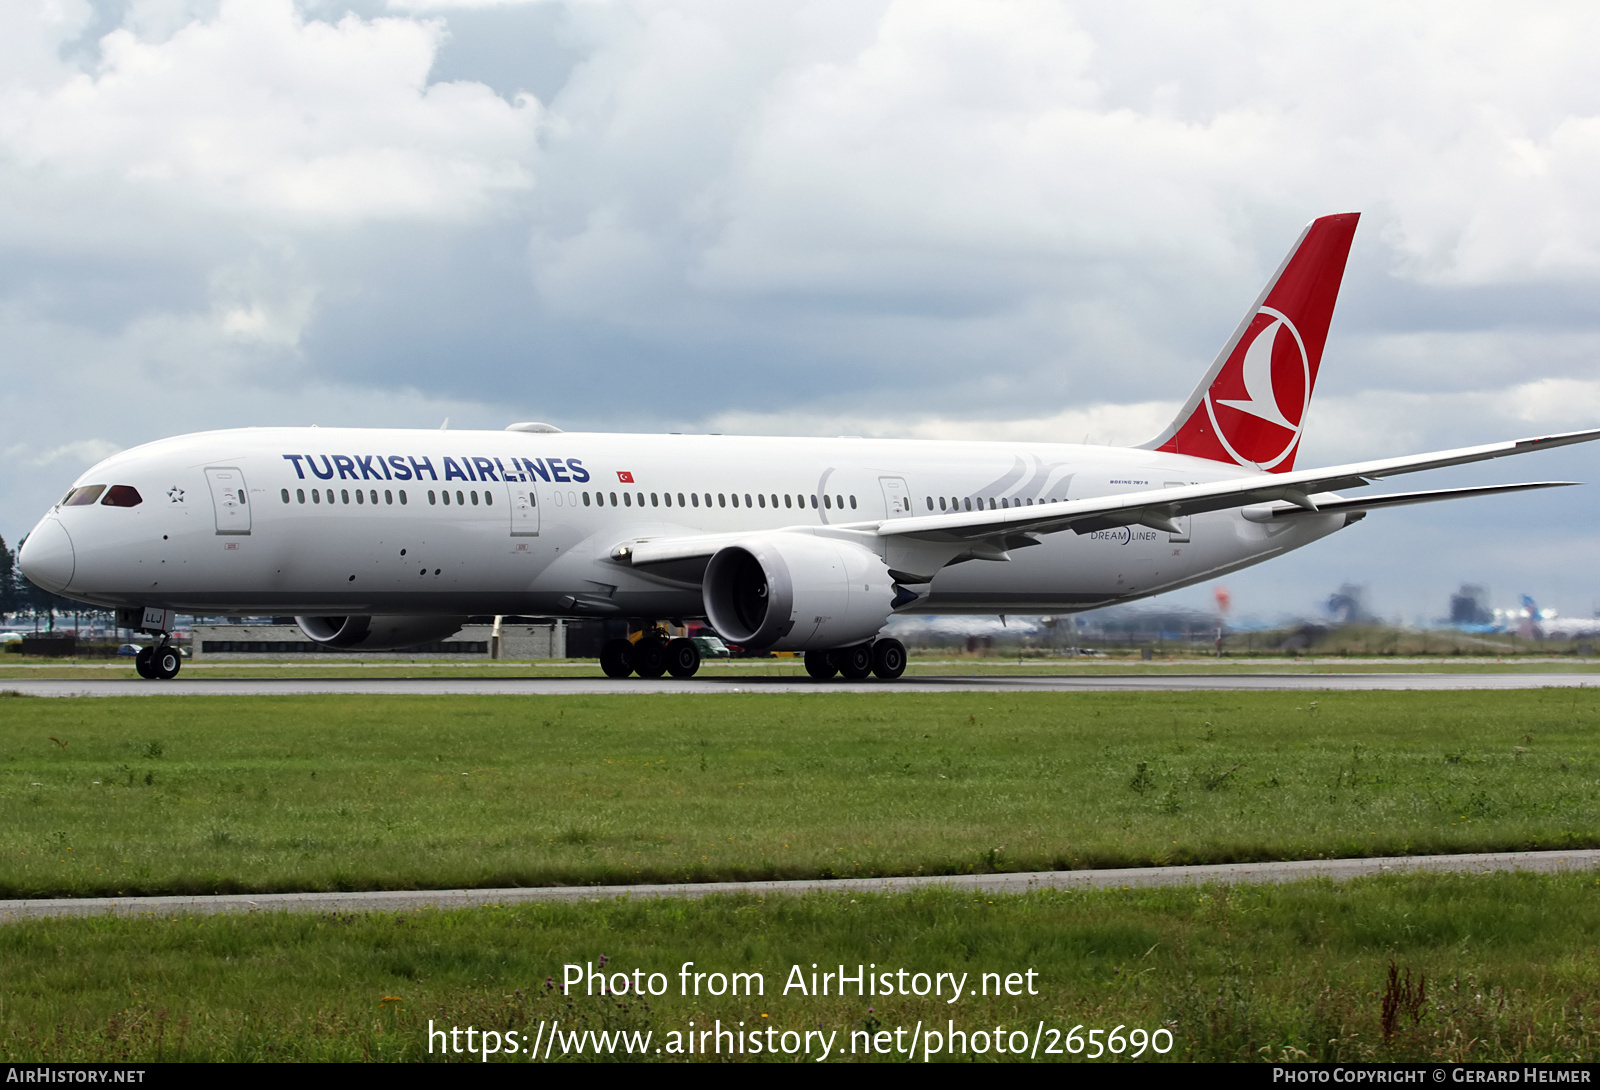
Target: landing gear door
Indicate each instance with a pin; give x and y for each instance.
(896, 497)
(228, 496)
(524, 510)
(1182, 521)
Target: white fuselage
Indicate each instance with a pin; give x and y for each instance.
(347, 521)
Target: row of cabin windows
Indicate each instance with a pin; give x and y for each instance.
(462, 498)
(626, 499)
(361, 496)
(722, 499)
(958, 504)
(121, 495)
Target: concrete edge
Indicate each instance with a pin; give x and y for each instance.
(1130, 878)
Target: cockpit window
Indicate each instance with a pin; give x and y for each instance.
(84, 496)
(122, 495)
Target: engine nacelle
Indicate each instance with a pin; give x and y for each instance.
(378, 633)
(797, 592)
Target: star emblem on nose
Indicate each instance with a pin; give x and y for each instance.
(175, 494)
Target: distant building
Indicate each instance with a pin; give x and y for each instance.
(1348, 605)
(1469, 606)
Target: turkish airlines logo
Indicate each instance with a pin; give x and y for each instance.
(624, 477)
(1258, 402)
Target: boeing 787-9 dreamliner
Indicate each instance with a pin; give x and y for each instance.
(380, 539)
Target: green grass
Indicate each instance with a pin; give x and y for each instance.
(193, 794)
(1507, 966)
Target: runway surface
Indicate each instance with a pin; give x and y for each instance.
(952, 683)
(1131, 878)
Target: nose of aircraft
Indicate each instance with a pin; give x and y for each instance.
(47, 557)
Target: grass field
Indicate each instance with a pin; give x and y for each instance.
(193, 794)
(1500, 967)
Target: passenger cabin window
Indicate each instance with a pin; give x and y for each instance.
(403, 496)
(360, 496)
(344, 494)
(300, 495)
(316, 496)
(285, 495)
(827, 501)
(460, 500)
(430, 496)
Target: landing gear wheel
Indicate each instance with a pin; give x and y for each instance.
(683, 657)
(888, 659)
(143, 665)
(819, 664)
(650, 657)
(616, 658)
(166, 662)
(855, 663)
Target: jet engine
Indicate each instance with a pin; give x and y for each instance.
(378, 633)
(797, 592)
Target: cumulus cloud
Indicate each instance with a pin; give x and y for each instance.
(261, 109)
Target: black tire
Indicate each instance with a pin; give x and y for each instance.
(888, 659)
(143, 664)
(683, 658)
(650, 657)
(166, 662)
(616, 658)
(855, 663)
(819, 664)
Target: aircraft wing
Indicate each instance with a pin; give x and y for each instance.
(1401, 499)
(934, 540)
(1157, 508)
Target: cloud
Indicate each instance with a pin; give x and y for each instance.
(259, 109)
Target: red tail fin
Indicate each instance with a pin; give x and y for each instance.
(1250, 407)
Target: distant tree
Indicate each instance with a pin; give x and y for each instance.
(8, 579)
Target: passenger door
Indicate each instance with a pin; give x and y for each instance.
(524, 509)
(228, 494)
(896, 497)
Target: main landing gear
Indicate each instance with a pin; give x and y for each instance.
(159, 662)
(885, 658)
(650, 656)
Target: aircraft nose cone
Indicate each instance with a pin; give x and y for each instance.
(47, 557)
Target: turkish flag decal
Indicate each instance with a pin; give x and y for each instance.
(624, 477)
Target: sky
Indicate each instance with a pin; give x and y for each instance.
(988, 219)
